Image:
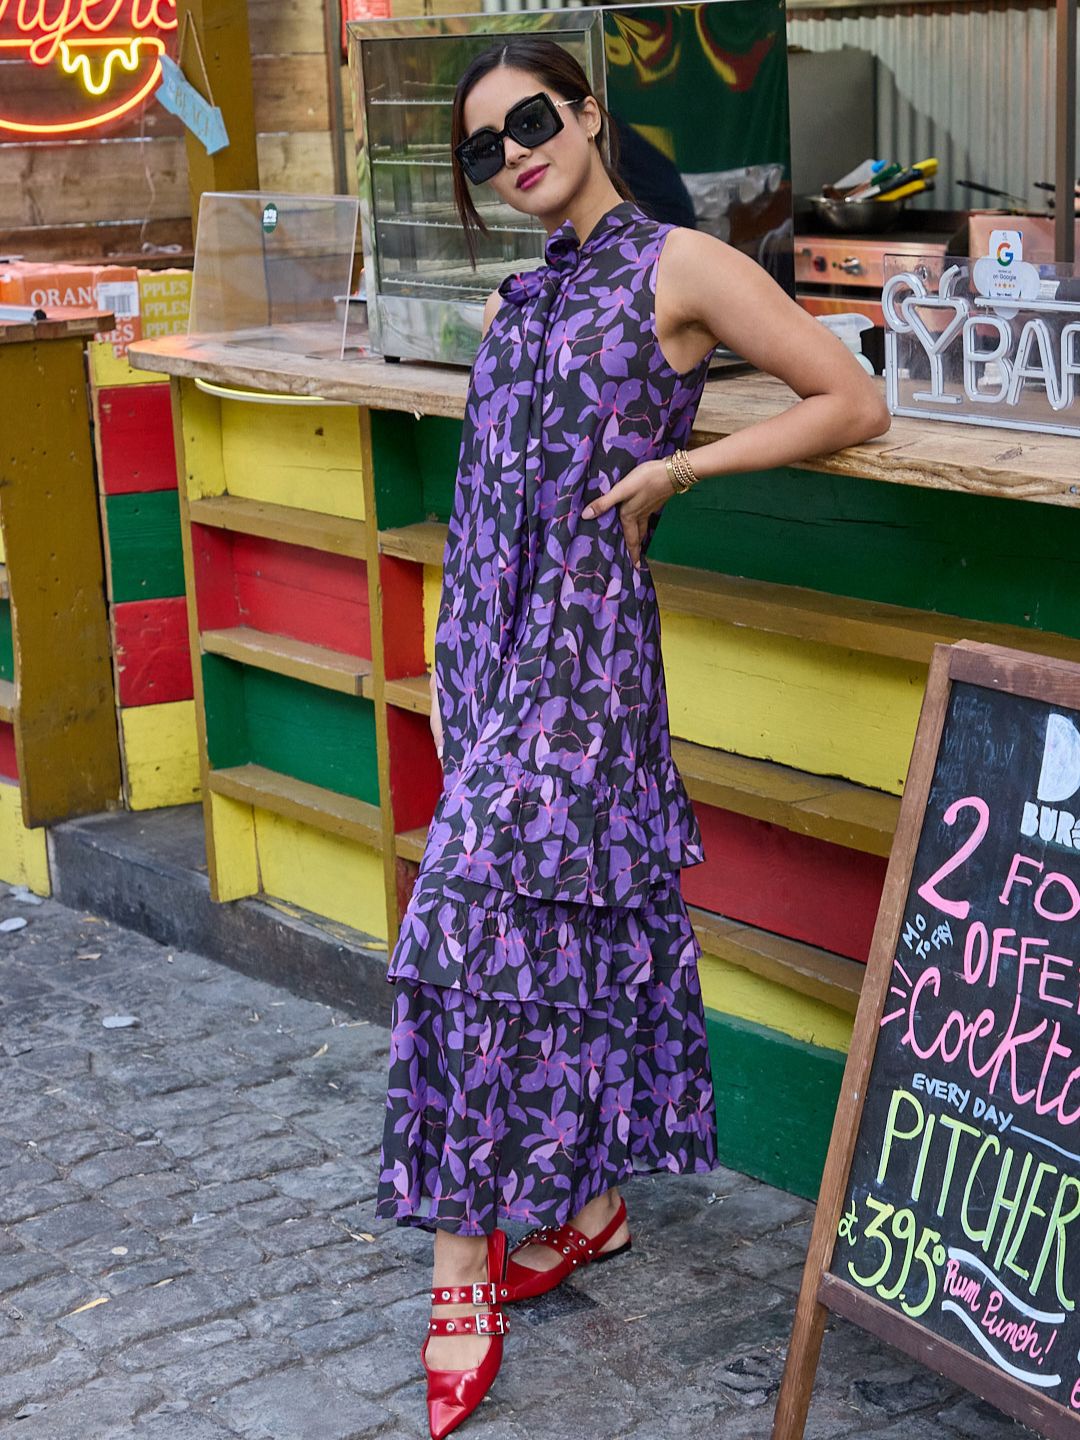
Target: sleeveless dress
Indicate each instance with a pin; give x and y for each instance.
(548, 1030)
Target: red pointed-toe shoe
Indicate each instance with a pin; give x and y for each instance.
(575, 1250)
(452, 1395)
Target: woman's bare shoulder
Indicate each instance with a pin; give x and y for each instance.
(491, 308)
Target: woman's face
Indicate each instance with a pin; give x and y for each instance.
(552, 172)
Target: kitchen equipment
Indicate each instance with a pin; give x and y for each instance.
(844, 275)
(703, 141)
(856, 217)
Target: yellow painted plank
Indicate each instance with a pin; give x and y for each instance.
(730, 990)
(432, 600)
(106, 368)
(324, 873)
(24, 856)
(201, 435)
(282, 655)
(307, 457)
(235, 855)
(813, 707)
(161, 754)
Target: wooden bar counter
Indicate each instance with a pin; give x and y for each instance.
(799, 610)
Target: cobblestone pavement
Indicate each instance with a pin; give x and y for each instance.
(188, 1249)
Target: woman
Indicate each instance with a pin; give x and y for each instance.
(549, 1036)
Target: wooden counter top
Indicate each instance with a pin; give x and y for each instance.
(979, 460)
(61, 323)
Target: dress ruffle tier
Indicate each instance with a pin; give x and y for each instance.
(542, 1053)
(541, 835)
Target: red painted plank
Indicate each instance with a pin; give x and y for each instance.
(153, 657)
(790, 884)
(403, 616)
(136, 438)
(281, 589)
(9, 765)
(415, 772)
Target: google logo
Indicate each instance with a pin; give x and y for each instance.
(1005, 255)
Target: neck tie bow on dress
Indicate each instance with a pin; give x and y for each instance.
(560, 253)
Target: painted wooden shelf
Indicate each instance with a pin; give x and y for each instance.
(817, 805)
(790, 963)
(316, 664)
(411, 693)
(424, 542)
(340, 535)
(297, 800)
(409, 844)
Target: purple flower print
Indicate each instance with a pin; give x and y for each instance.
(549, 1034)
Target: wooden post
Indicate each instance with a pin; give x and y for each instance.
(1065, 134)
(221, 28)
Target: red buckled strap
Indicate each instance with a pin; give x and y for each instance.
(566, 1240)
(486, 1323)
(484, 1293)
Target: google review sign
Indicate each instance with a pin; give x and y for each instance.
(992, 341)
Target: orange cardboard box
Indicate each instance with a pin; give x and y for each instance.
(107, 287)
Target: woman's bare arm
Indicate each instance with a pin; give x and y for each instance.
(713, 291)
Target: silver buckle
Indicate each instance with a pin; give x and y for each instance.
(493, 1323)
(483, 1293)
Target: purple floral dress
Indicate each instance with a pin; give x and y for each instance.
(548, 1030)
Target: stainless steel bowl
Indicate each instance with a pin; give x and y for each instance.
(857, 217)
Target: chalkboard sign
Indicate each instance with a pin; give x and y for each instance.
(949, 1217)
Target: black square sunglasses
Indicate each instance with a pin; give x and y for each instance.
(530, 122)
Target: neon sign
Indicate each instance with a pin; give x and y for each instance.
(111, 49)
(996, 341)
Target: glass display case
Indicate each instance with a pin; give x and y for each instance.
(698, 96)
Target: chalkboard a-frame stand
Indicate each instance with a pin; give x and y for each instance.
(971, 675)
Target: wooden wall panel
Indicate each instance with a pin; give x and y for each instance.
(134, 171)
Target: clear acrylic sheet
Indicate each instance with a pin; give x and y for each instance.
(274, 271)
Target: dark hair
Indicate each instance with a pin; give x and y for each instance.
(558, 71)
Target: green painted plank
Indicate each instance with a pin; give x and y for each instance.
(146, 560)
(256, 717)
(226, 725)
(7, 643)
(415, 464)
(775, 1102)
(998, 560)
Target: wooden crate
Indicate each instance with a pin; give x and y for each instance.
(140, 523)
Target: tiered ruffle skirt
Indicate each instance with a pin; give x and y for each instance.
(543, 1050)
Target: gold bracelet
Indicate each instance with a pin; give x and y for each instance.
(681, 472)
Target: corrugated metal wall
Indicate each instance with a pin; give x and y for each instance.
(975, 87)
